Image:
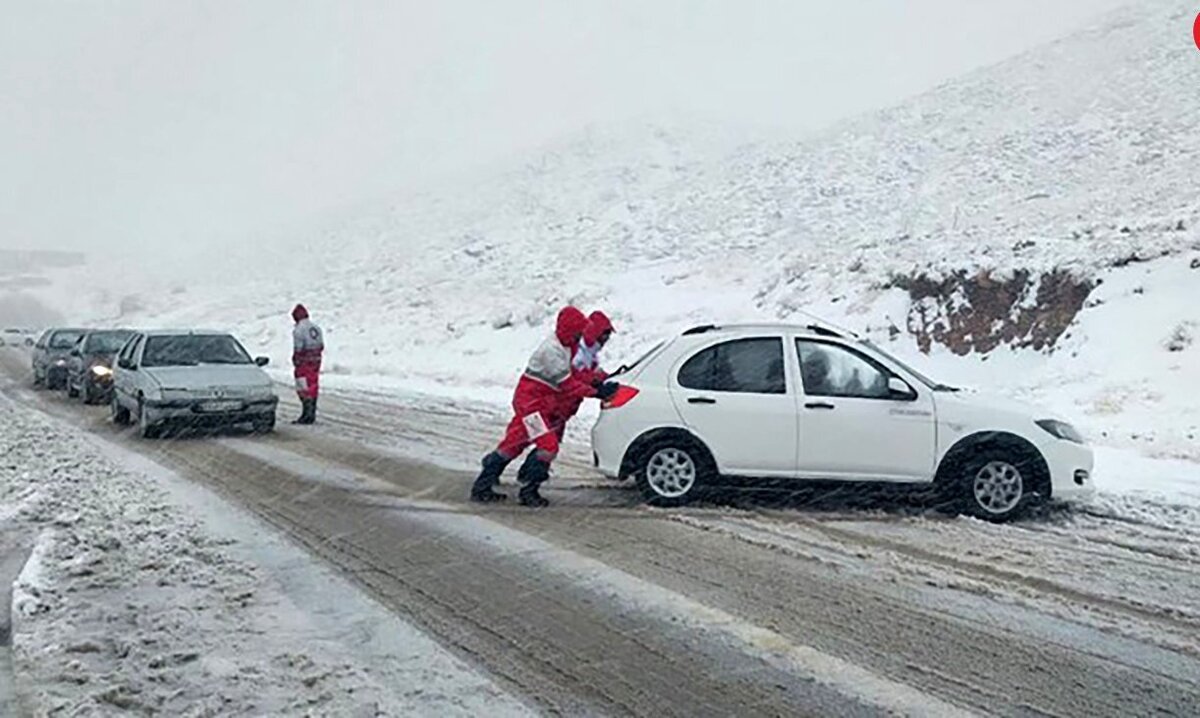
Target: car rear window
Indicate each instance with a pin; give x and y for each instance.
(193, 349)
(746, 366)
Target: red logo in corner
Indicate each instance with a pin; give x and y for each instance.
(1196, 32)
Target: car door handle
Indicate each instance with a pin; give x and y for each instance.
(818, 405)
(701, 400)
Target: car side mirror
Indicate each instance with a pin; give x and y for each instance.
(126, 364)
(75, 353)
(262, 361)
(899, 389)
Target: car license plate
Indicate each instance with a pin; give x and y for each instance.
(220, 406)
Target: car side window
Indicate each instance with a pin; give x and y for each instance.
(742, 366)
(836, 371)
(123, 355)
(126, 356)
(137, 349)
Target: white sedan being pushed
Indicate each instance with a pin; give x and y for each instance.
(191, 379)
(816, 403)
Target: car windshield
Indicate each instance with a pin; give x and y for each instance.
(936, 386)
(65, 339)
(193, 349)
(105, 342)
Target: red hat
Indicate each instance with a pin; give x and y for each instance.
(299, 312)
(570, 326)
(598, 324)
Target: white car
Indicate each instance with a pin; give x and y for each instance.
(816, 403)
(190, 379)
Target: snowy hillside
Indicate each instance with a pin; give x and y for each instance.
(1033, 227)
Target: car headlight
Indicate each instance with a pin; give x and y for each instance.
(60, 362)
(1061, 430)
(101, 371)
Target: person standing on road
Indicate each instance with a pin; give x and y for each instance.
(545, 385)
(586, 371)
(308, 343)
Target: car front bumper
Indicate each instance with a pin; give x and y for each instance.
(199, 414)
(1071, 467)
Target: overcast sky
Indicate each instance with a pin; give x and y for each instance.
(167, 122)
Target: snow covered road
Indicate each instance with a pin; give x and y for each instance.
(601, 606)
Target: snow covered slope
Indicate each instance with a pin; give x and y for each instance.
(1034, 227)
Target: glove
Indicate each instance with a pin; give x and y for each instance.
(607, 390)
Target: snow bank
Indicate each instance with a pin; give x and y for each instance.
(133, 601)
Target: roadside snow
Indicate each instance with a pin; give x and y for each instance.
(144, 593)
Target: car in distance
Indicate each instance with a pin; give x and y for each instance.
(90, 365)
(816, 403)
(199, 379)
(16, 338)
(50, 356)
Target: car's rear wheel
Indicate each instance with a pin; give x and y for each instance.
(120, 415)
(995, 484)
(673, 472)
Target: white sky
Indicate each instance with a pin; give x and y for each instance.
(163, 123)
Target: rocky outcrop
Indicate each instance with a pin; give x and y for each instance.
(978, 312)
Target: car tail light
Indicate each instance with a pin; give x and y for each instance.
(624, 395)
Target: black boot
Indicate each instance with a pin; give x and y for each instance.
(534, 472)
(482, 490)
(528, 468)
(308, 409)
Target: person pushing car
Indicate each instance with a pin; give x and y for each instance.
(585, 369)
(547, 383)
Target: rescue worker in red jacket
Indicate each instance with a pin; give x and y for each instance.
(308, 343)
(544, 386)
(585, 369)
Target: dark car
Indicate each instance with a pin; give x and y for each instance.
(90, 366)
(50, 356)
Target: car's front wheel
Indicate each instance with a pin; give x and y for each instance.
(995, 484)
(673, 472)
(146, 426)
(120, 415)
(265, 425)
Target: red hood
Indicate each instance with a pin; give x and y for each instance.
(299, 312)
(570, 326)
(598, 323)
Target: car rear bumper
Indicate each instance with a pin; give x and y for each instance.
(609, 443)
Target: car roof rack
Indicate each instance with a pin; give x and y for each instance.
(818, 329)
(824, 331)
